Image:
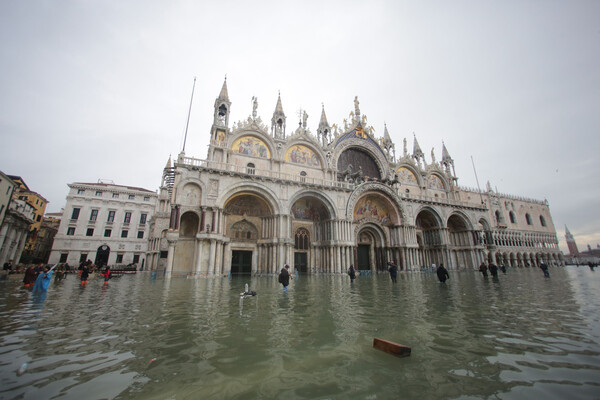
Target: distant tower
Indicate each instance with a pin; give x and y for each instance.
(573, 251)
(324, 129)
(278, 121)
(220, 129)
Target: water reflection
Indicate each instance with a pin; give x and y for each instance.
(520, 336)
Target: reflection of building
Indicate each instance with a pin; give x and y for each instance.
(104, 223)
(38, 203)
(264, 197)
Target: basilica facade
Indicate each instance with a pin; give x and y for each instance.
(266, 196)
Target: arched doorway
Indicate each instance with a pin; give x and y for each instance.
(429, 238)
(301, 247)
(311, 232)
(102, 256)
(375, 214)
(460, 242)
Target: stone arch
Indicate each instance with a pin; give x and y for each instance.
(324, 199)
(243, 230)
(374, 187)
(408, 175)
(460, 238)
(462, 216)
(370, 239)
(377, 207)
(348, 148)
(189, 192)
(436, 181)
(255, 189)
(189, 224)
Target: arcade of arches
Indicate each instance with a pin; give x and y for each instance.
(247, 236)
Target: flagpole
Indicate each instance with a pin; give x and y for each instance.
(188, 117)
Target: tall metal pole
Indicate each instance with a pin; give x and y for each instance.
(477, 180)
(188, 117)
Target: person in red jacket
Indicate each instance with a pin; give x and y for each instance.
(107, 275)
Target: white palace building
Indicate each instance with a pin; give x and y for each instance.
(265, 196)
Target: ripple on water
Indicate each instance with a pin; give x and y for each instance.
(181, 338)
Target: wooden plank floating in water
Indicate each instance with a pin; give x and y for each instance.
(395, 349)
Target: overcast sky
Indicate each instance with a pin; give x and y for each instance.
(100, 89)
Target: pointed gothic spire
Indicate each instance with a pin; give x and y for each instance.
(278, 120)
(224, 95)
(168, 166)
(416, 148)
(445, 155)
(323, 131)
(386, 134)
(323, 116)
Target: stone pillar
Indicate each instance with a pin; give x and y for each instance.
(198, 258)
(170, 257)
(211, 257)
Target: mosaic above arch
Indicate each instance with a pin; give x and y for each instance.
(434, 182)
(406, 176)
(309, 209)
(247, 204)
(251, 146)
(299, 154)
(374, 206)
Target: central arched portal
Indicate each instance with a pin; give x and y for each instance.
(375, 215)
(311, 226)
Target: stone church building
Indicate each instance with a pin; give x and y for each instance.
(267, 195)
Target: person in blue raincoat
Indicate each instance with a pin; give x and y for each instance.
(43, 281)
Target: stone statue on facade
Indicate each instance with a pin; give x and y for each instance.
(254, 106)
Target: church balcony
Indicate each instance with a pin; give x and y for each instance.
(262, 174)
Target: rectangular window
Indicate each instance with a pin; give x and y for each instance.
(1, 208)
(93, 215)
(90, 232)
(70, 231)
(107, 232)
(38, 218)
(83, 258)
(80, 191)
(99, 193)
(115, 195)
(8, 190)
(111, 216)
(75, 214)
(127, 218)
(136, 258)
(124, 233)
(119, 258)
(164, 254)
(143, 219)
(140, 234)
(146, 198)
(131, 197)
(63, 257)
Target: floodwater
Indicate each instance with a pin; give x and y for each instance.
(522, 336)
